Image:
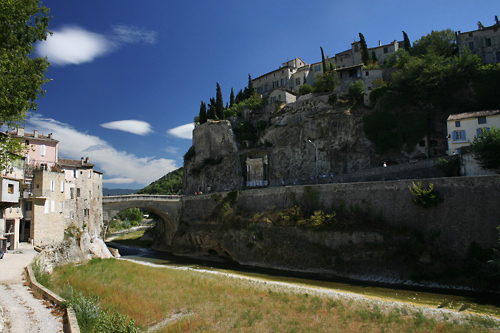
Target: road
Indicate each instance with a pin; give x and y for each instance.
(20, 311)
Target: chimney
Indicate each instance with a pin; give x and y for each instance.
(86, 160)
(81, 160)
(36, 134)
(20, 131)
(49, 135)
(496, 19)
(379, 43)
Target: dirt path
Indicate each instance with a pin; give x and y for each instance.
(20, 311)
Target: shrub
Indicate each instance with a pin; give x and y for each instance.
(425, 197)
(305, 89)
(356, 91)
(486, 149)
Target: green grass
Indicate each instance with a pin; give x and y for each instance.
(133, 239)
(197, 301)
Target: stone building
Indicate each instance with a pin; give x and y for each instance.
(485, 42)
(53, 194)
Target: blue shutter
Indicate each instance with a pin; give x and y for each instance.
(478, 132)
(463, 135)
(454, 136)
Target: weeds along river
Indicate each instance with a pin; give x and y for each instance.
(459, 300)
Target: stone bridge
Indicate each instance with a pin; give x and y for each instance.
(167, 207)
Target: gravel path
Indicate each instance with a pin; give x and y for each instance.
(20, 311)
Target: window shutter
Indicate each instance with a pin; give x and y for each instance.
(484, 42)
(455, 136)
(463, 135)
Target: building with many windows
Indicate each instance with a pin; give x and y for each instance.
(485, 42)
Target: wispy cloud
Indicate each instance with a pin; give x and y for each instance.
(119, 167)
(132, 126)
(183, 132)
(73, 45)
(131, 34)
(171, 150)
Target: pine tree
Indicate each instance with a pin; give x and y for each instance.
(203, 113)
(323, 60)
(249, 89)
(365, 56)
(219, 104)
(406, 40)
(231, 98)
(211, 113)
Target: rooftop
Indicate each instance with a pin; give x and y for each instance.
(474, 114)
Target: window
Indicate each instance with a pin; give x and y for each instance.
(481, 120)
(52, 185)
(86, 212)
(46, 207)
(458, 135)
(61, 206)
(279, 97)
(317, 68)
(90, 174)
(470, 34)
(297, 81)
(356, 47)
(72, 193)
(28, 206)
(471, 45)
(62, 186)
(487, 42)
(43, 150)
(72, 216)
(78, 192)
(367, 73)
(386, 50)
(52, 206)
(457, 124)
(10, 188)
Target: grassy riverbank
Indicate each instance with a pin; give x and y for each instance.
(185, 300)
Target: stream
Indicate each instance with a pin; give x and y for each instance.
(460, 300)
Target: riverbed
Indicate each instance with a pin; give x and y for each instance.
(459, 300)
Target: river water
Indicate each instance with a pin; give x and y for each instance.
(460, 300)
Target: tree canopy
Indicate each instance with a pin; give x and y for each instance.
(171, 183)
(21, 74)
(486, 149)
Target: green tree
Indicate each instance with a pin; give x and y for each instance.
(326, 82)
(21, 74)
(486, 149)
(219, 103)
(365, 56)
(202, 118)
(374, 57)
(231, 98)
(406, 41)
(323, 60)
(239, 97)
(249, 89)
(211, 113)
(134, 215)
(356, 91)
(305, 89)
(439, 43)
(171, 183)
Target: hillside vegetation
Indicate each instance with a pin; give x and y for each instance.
(171, 183)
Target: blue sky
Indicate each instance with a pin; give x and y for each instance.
(127, 77)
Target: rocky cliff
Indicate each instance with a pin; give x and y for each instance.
(278, 147)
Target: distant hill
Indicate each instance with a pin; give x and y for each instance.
(171, 183)
(117, 191)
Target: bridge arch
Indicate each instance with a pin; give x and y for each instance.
(167, 207)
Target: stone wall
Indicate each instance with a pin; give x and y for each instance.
(468, 214)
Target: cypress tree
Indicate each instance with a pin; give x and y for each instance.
(406, 41)
(323, 60)
(211, 114)
(374, 57)
(249, 89)
(365, 56)
(239, 97)
(203, 113)
(219, 104)
(231, 98)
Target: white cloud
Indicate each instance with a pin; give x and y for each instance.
(116, 165)
(171, 150)
(131, 34)
(73, 45)
(132, 126)
(183, 132)
(118, 181)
